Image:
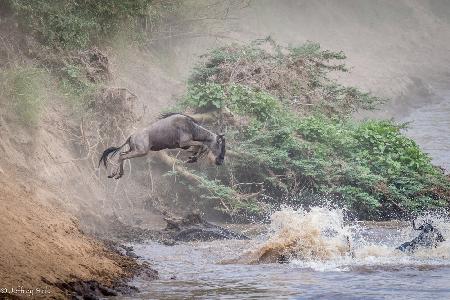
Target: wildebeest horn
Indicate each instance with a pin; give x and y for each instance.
(221, 135)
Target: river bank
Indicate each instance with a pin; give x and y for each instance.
(44, 254)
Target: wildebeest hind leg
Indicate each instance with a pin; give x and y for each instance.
(130, 148)
(129, 155)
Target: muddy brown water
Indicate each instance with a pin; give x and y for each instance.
(230, 269)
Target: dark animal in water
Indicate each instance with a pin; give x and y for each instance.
(171, 131)
(428, 238)
(194, 228)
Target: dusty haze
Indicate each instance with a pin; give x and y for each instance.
(396, 49)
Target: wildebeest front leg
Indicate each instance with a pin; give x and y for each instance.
(196, 151)
(197, 145)
(199, 152)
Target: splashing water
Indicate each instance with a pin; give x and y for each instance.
(321, 265)
(320, 239)
(318, 234)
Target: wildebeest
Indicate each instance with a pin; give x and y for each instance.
(428, 238)
(171, 131)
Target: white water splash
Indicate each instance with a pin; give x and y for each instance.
(319, 239)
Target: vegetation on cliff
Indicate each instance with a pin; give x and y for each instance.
(291, 136)
(77, 24)
(292, 139)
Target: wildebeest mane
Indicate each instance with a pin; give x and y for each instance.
(169, 114)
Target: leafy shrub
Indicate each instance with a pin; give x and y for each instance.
(75, 86)
(239, 98)
(297, 76)
(206, 96)
(26, 89)
(77, 23)
(290, 153)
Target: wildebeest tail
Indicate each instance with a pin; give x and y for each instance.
(112, 151)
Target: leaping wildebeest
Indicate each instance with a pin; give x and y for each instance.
(171, 131)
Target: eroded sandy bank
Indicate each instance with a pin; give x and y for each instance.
(42, 247)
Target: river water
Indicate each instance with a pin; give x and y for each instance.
(430, 127)
(329, 259)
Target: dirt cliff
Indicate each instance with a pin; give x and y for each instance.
(41, 245)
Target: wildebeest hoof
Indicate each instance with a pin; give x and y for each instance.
(192, 160)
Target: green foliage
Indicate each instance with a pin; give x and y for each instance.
(76, 88)
(77, 23)
(239, 98)
(246, 101)
(26, 89)
(211, 67)
(389, 151)
(297, 76)
(226, 198)
(206, 96)
(312, 49)
(370, 167)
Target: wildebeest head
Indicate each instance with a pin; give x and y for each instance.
(217, 148)
(426, 227)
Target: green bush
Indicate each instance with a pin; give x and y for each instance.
(76, 87)
(77, 23)
(370, 167)
(207, 96)
(241, 99)
(26, 90)
(296, 76)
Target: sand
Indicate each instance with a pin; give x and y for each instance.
(41, 245)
